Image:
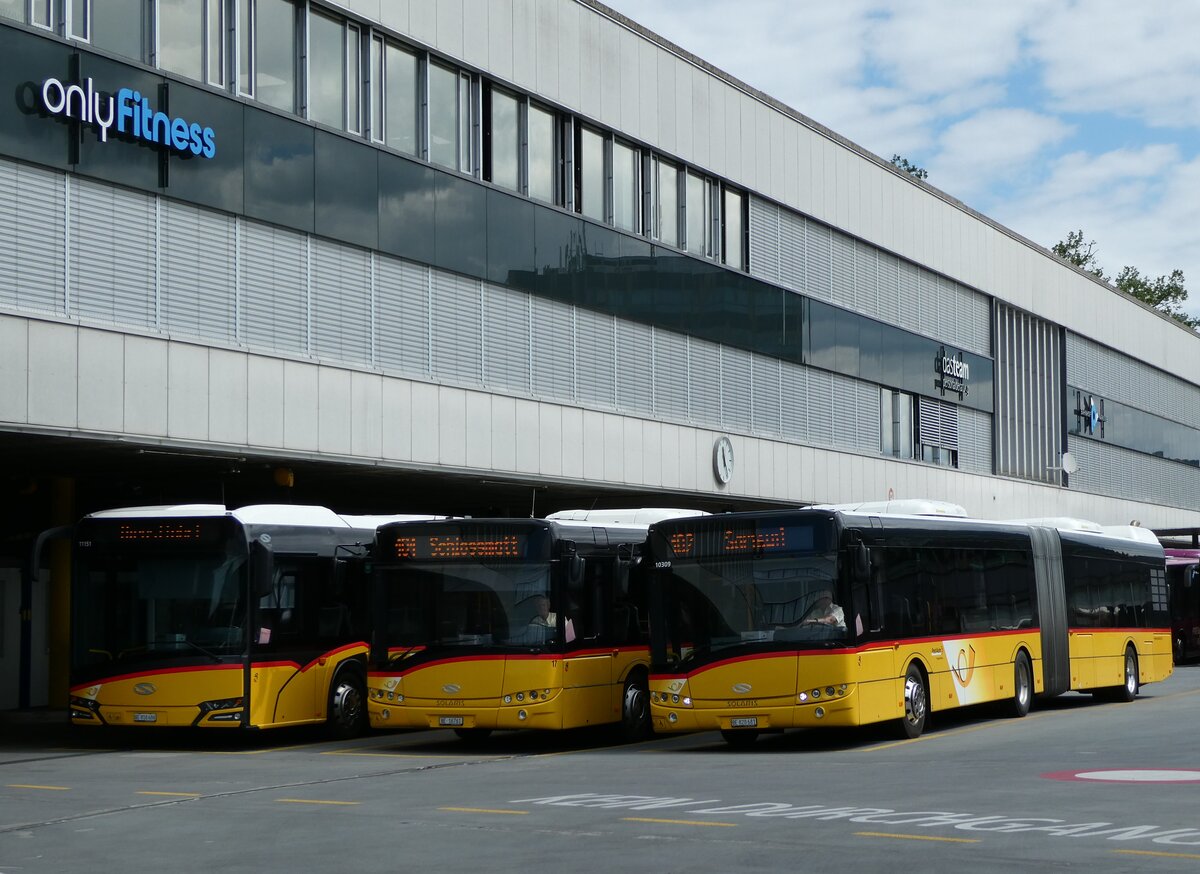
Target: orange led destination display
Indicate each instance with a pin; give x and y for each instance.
(160, 531)
(742, 541)
(460, 546)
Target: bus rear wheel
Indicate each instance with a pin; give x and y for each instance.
(916, 703)
(738, 738)
(1022, 697)
(1128, 690)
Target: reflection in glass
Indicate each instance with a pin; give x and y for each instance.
(326, 70)
(181, 37)
(464, 123)
(625, 187)
(699, 216)
(443, 116)
(400, 87)
(590, 161)
(14, 9)
(505, 140)
(542, 165)
(119, 26)
(275, 58)
(353, 78)
(41, 12)
(734, 229)
(216, 42)
(666, 211)
(245, 40)
(80, 27)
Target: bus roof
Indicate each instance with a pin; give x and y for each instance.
(902, 507)
(256, 514)
(643, 516)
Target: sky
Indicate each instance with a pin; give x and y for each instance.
(1048, 116)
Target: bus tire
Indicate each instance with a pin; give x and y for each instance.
(739, 739)
(916, 703)
(635, 709)
(347, 704)
(1128, 690)
(473, 733)
(1018, 705)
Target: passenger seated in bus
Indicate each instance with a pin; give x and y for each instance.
(824, 612)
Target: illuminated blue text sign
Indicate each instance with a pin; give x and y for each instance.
(131, 114)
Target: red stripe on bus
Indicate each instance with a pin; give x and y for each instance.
(556, 656)
(156, 672)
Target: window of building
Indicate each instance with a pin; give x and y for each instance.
(13, 9)
(698, 211)
(896, 423)
(450, 118)
(79, 18)
(190, 37)
(397, 99)
(274, 58)
(733, 221)
(590, 178)
(334, 72)
(41, 13)
(626, 187)
(121, 27)
(502, 154)
(666, 202)
(937, 432)
(541, 154)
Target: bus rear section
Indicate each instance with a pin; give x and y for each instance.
(931, 614)
(198, 616)
(509, 624)
(1183, 582)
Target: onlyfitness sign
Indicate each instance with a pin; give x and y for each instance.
(130, 113)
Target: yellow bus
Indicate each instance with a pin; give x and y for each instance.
(806, 618)
(485, 624)
(195, 615)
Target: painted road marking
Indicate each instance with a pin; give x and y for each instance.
(359, 751)
(316, 801)
(170, 794)
(1157, 853)
(484, 810)
(31, 786)
(678, 821)
(1129, 775)
(917, 837)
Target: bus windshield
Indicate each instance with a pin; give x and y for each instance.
(133, 607)
(467, 604)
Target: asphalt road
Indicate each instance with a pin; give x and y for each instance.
(1076, 785)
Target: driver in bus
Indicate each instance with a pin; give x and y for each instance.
(542, 615)
(825, 612)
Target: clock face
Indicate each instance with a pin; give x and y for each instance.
(723, 459)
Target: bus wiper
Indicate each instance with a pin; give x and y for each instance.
(208, 652)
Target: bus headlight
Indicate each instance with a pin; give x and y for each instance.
(221, 704)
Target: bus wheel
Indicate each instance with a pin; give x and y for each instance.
(347, 710)
(473, 733)
(1022, 686)
(916, 703)
(635, 709)
(739, 739)
(1128, 690)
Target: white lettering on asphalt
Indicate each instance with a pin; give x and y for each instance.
(883, 816)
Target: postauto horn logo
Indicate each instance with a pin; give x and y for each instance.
(130, 113)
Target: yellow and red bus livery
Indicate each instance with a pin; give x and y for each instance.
(804, 618)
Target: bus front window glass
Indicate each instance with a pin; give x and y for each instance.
(181, 37)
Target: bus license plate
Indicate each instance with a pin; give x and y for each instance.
(450, 720)
(743, 722)
(145, 717)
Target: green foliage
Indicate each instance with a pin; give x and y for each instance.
(902, 163)
(1165, 293)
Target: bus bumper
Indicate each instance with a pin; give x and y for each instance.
(388, 715)
(710, 716)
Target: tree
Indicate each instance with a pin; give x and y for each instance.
(1165, 293)
(902, 163)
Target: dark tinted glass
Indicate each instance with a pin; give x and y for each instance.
(510, 240)
(460, 226)
(132, 162)
(406, 207)
(558, 243)
(347, 188)
(26, 130)
(279, 170)
(216, 181)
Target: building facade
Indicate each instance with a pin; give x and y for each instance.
(520, 243)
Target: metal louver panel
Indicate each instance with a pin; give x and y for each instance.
(765, 406)
(844, 292)
(764, 239)
(889, 288)
(818, 261)
(402, 315)
(910, 297)
(341, 302)
(553, 336)
(112, 255)
(671, 375)
(198, 282)
(274, 289)
(736, 387)
(32, 215)
(635, 373)
(937, 423)
(820, 406)
(794, 401)
(866, 278)
(930, 319)
(847, 419)
(596, 356)
(791, 251)
(704, 387)
(506, 338)
(457, 333)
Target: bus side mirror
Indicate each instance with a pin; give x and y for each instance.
(1192, 575)
(862, 562)
(262, 569)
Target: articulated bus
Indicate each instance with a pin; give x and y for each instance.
(196, 615)
(486, 624)
(807, 618)
(1183, 578)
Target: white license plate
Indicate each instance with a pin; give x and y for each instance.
(145, 717)
(450, 720)
(743, 722)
